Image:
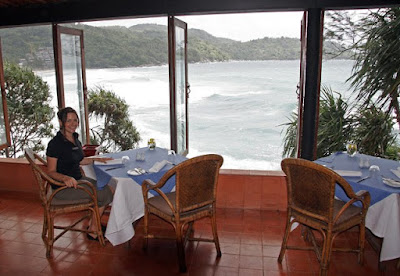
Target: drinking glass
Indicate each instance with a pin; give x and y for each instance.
(125, 160)
(140, 156)
(171, 157)
(364, 162)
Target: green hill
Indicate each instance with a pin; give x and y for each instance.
(139, 45)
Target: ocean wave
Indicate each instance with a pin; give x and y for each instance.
(231, 162)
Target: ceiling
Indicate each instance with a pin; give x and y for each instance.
(27, 12)
(25, 3)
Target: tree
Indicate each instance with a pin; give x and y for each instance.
(370, 128)
(375, 42)
(114, 130)
(333, 128)
(29, 110)
(373, 131)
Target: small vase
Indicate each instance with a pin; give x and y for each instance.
(151, 144)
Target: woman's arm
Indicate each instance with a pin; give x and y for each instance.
(52, 172)
(88, 161)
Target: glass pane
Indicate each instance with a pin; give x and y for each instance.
(180, 89)
(72, 74)
(3, 136)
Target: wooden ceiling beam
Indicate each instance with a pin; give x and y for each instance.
(28, 12)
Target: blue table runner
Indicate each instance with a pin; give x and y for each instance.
(377, 189)
(151, 157)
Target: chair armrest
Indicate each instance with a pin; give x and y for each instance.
(91, 191)
(363, 196)
(148, 185)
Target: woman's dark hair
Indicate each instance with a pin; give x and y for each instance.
(63, 113)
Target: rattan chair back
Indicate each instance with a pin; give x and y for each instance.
(42, 179)
(53, 206)
(196, 182)
(194, 198)
(311, 202)
(311, 187)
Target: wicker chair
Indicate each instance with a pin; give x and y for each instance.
(312, 203)
(54, 207)
(194, 198)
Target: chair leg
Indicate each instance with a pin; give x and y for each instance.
(326, 254)
(44, 229)
(215, 234)
(180, 247)
(96, 214)
(145, 229)
(361, 244)
(285, 238)
(50, 237)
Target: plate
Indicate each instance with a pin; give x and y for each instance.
(391, 182)
(136, 171)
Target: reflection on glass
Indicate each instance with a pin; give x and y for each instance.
(72, 74)
(180, 88)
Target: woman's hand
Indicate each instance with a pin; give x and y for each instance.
(70, 182)
(52, 171)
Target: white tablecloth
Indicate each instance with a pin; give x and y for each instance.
(383, 216)
(127, 207)
(383, 219)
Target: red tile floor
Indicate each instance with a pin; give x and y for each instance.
(250, 243)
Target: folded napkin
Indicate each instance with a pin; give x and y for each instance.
(158, 166)
(110, 162)
(391, 182)
(396, 172)
(348, 173)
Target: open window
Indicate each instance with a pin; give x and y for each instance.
(5, 139)
(178, 83)
(69, 59)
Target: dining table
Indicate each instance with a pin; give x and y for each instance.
(381, 178)
(125, 173)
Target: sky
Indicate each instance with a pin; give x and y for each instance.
(241, 27)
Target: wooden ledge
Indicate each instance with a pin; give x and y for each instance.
(252, 172)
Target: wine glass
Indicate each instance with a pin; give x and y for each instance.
(374, 171)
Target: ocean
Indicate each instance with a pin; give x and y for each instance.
(236, 108)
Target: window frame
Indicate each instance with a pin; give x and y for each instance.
(4, 105)
(172, 23)
(57, 31)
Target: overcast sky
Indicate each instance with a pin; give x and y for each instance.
(243, 27)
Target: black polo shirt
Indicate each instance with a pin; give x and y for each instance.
(68, 155)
